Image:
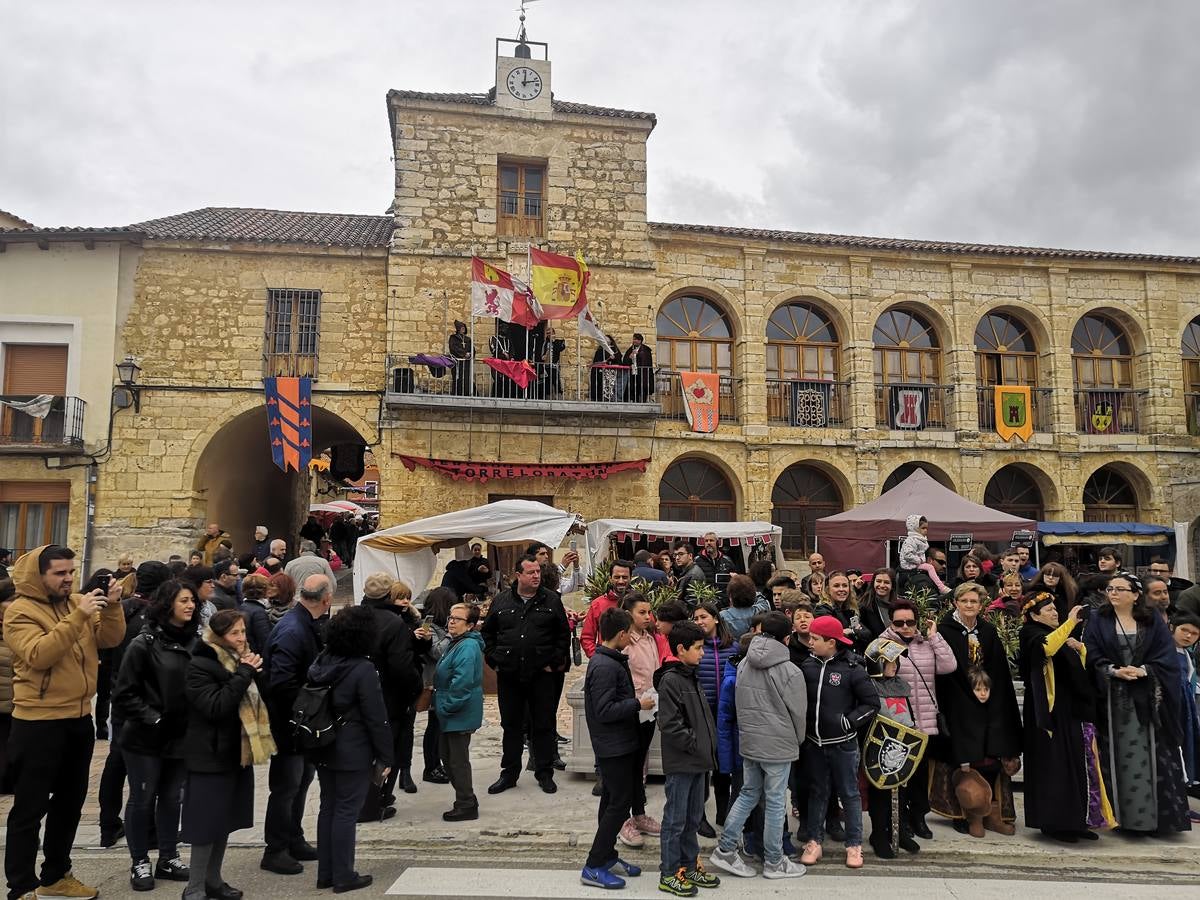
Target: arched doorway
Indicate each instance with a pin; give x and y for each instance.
(1014, 491)
(903, 471)
(1005, 353)
(803, 346)
(1109, 497)
(908, 366)
(1190, 350)
(693, 490)
(1102, 358)
(803, 494)
(241, 487)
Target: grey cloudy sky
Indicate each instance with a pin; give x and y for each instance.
(1067, 123)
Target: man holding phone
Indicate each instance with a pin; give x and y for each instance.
(55, 637)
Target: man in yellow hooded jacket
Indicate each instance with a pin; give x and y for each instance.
(55, 637)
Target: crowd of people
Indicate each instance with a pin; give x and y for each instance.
(760, 685)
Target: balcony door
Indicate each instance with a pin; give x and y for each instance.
(30, 370)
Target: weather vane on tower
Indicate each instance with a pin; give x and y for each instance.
(521, 10)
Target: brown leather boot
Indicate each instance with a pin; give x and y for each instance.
(993, 821)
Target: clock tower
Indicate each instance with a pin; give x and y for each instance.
(523, 81)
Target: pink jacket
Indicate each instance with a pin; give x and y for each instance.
(929, 658)
(646, 655)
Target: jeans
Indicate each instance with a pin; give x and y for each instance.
(678, 844)
(455, 747)
(766, 780)
(833, 765)
(155, 784)
(536, 699)
(430, 741)
(618, 774)
(342, 796)
(112, 782)
(50, 760)
(289, 779)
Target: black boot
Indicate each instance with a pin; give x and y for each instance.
(919, 828)
(881, 843)
(406, 781)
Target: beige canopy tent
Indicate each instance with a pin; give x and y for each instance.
(409, 552)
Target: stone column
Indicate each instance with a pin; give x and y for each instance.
(1160, 368)
(959, 371)
(1062, 321)
(858, 366)
(751, 365)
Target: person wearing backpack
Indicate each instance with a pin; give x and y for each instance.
(361, 747)
(294, 645)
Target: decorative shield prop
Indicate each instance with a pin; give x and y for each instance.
(892, 752)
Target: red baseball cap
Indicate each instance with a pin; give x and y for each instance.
(829, 627)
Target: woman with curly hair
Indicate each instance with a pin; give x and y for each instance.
(151, 702)
(363, 743)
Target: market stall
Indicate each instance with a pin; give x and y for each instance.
(741, 538)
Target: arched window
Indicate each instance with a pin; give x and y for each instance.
(1004, 354)
(802, 495)
(692, 490)
(1109, 497)
(907, 355)
(1191, 374)
(694, 335)
(1012, 491)
(1102, 358)
(802, 346)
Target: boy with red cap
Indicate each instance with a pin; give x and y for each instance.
(841, 701)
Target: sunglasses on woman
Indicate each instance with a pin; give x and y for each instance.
(904, 623)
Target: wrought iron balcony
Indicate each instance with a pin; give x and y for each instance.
(1109, 411)
(25, 428)
(913, 407)
(808, 403)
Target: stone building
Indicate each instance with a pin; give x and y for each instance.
(843, 361)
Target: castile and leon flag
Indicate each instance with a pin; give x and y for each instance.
(495, 294)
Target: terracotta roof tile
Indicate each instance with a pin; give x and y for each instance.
(273, 226)
(562, 106)
(904, 244)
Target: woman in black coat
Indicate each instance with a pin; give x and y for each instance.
(362, 748)
(149, 699)
(229, 732)
(985, 735)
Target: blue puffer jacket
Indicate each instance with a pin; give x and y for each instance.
(712, 669)
(729, 755)
(458, 684)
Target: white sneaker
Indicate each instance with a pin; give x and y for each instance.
(731, 862)
(785, 868)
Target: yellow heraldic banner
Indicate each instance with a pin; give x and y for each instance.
(1014, 411)
(559, 283)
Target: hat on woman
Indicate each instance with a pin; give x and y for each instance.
(377, 586)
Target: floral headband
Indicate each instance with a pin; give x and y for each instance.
(1038, 599)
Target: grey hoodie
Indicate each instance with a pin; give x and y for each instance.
(772, 702)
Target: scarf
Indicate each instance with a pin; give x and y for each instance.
(257, 744)
(974, 650)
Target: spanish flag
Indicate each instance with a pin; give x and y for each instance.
(559, 283)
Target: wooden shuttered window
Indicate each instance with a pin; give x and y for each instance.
(35, 369)
(33, 513)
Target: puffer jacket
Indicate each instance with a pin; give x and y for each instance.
(841, 698)
(458, 684)
(685, 721)
(712, 669)
(729, 756)
(150, 692)
(925, 659)
(913, 547)
(610, 705)
(55, 647)
(772, 703)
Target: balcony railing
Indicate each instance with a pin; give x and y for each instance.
(670, 396)
(913, 407)
(1109, 411)
(1039, 400)
(61, 426)
(808, 404)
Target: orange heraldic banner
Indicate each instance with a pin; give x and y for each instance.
(701, 400)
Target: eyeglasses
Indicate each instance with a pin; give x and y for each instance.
(904, 623)
(1112, 589)
(456, 619)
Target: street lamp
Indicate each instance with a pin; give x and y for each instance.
(129, 394)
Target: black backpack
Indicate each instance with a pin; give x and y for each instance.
(314, 722)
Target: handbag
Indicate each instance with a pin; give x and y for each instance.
(424, 699)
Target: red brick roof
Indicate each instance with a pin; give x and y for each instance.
(561, 106)
(219, 223)
(874, 243)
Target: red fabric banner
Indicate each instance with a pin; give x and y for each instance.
(518, 370)
(482, 471)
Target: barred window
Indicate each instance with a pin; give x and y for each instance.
(293, 326)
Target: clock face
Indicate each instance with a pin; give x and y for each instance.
(524, 83)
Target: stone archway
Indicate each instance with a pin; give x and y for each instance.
(240, 487)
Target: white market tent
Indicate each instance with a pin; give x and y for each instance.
(746, 533)
(409, 552)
